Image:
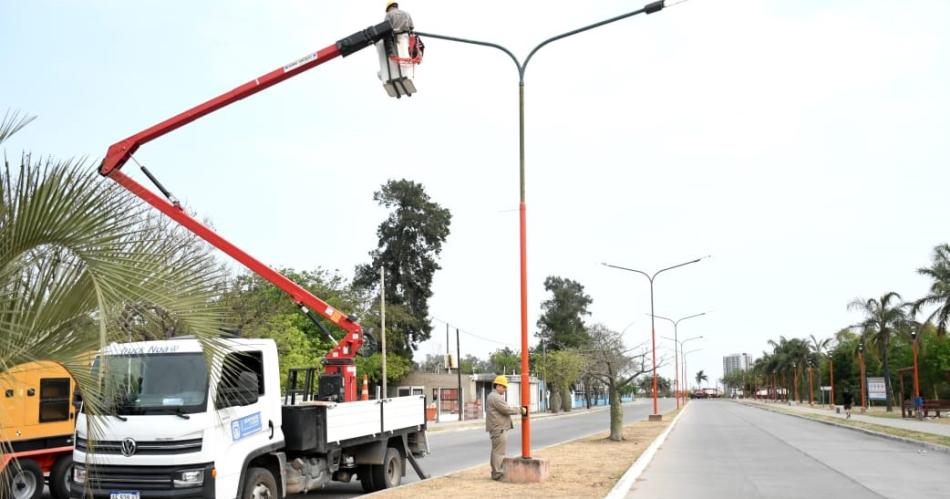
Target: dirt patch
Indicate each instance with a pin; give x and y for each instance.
(588, 467)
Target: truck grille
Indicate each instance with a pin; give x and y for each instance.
(137, 478)
(144, 447)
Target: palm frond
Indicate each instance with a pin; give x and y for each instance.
(13, 122)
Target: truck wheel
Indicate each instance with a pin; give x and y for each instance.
(25, 479)
(389, 474)
(59, 477)
(366, 478)
(260, 484)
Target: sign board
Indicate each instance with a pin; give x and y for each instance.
(877, 390)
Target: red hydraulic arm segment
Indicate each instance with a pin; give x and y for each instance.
(120, 152)
(340, 359)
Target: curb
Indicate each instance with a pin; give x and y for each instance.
(927, 445)
(622, 487)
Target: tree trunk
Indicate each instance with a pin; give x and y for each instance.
(887, 378)
(555, 399)
(616, 413)
(567, 402)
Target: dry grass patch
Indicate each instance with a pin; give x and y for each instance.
(588, 467)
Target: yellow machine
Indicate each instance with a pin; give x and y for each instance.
(37, 419)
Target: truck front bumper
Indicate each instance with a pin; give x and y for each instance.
(151, 482)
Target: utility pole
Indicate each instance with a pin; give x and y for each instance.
(458, 372)
(382, 320)
(448, 360)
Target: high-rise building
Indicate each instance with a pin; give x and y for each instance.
(733, 362)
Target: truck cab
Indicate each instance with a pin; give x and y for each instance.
(178, 421)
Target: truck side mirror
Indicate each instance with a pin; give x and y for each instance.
(77, 399)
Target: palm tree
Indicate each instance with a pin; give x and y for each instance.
(77, 252)
(819, 348)
(883, 318)
(700, 377)
(939, 294)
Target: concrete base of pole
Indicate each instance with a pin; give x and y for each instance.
(655, 417)
(526, 470)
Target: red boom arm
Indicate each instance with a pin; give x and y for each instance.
(340, 359)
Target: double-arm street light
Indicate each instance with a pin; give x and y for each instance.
(683, 365)
(522, 66)
(656, 413)
(676, 323)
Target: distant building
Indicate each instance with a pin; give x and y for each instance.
(735, 362)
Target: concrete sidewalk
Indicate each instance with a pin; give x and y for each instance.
(902, 424)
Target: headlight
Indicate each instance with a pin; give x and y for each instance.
(189, 478)
(79, 474)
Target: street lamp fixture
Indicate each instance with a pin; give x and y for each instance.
(649, 8)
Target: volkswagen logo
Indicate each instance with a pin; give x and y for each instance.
(128, 447)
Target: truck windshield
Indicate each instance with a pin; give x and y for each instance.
(154, 384)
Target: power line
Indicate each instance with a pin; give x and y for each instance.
(473, 334)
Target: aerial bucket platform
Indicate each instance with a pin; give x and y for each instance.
(398, 57)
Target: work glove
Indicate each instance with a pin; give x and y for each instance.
(524, 410)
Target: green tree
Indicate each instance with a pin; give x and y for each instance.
(819, 348)
(397, 367)
(504, 361)
(473, 365)
(76, 251)
(883, 318)
(939, 295)
(561, 369)
(561, 324)
(701, 377)
(410, 241)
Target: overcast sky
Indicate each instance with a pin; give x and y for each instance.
(802, 144)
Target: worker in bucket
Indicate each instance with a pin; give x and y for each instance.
(400, 20)
(497, 422)
(396, 64)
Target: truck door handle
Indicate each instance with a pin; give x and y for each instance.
(270, 424)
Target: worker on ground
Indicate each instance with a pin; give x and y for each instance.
(400, 20)
(497, 422)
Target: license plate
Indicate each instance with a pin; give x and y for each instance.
(124, 494)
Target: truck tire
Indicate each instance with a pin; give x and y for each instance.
(389, 474)
(24, 479)
(260, 484)
(59, 477)
(366, 478)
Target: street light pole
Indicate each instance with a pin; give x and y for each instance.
(656, 412)
(676, 323)
(523, 253)
(914, 337)
(863, 379)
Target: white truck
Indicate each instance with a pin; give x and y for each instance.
(181, 428)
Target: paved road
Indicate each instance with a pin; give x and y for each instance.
(456, 450)
(721, 449)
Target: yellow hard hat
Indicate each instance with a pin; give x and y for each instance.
(390, 3)
(501, 380)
